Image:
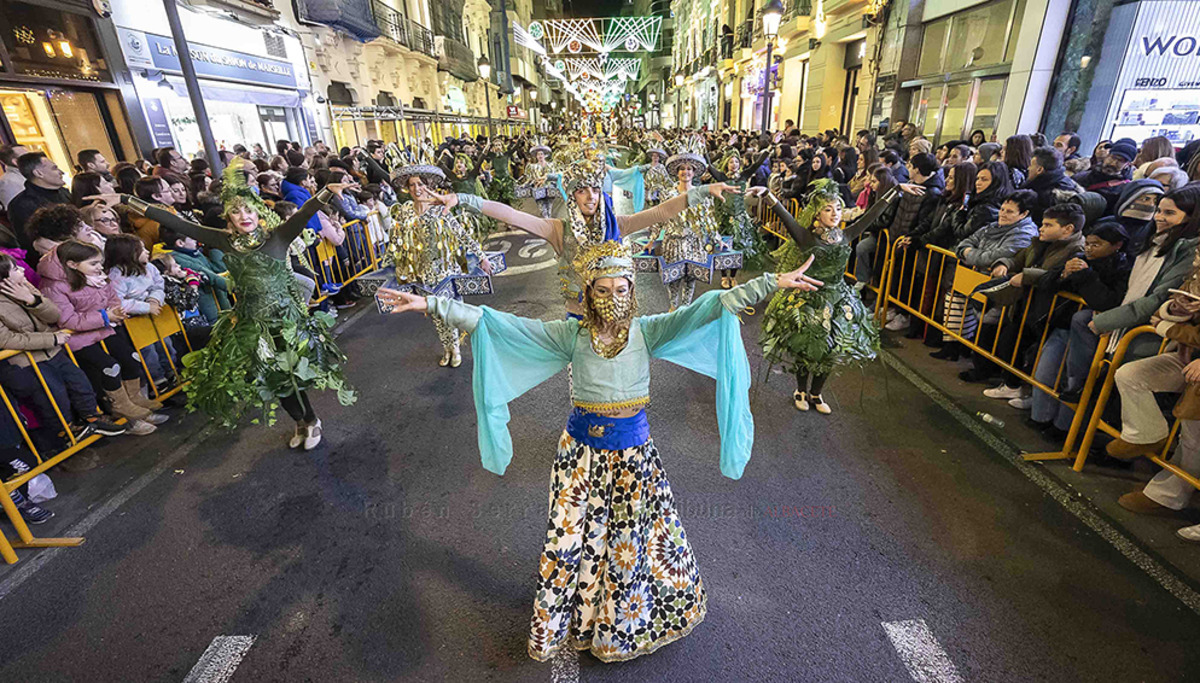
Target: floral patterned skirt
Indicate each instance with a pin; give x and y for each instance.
(617, 575)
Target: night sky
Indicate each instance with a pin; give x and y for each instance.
(594, 8)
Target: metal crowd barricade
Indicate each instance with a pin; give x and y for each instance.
(965, 281)
(144, 331)
(363, 258)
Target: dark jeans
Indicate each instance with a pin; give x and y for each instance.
(68, 385)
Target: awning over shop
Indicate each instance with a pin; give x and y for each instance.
(352, 16)
(244, 95)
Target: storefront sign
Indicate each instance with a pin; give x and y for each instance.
(1147, 82)
(151, 51)
(156, 118)
(514, 112)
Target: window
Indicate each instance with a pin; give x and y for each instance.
(980, 37)
(53, 44)
(987, 105)
(958, 99)
(932, 44)
(976, 37)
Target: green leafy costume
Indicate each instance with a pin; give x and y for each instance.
(268, 346)
(816, 332)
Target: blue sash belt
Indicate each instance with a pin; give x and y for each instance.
(608, 433)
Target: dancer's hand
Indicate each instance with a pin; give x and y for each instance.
(448, 200)
(485, 265)
(402, 302)
(718, 190)
(913, 189)
(798, 280)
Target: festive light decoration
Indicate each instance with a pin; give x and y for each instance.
(615, 68)
(630, 34)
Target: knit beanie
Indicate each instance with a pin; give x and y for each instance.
(1124, 148)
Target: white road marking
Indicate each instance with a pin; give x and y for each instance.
(564, 667)
(220, 660)
(924, 658)
(1080, 507)
(28, 567)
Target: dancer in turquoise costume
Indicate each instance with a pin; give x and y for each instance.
(813, 333)
(617, 575)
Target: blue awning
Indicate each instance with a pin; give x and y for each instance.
(353, 17)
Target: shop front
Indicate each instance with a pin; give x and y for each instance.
(253, 80)
(1147, 79)
(57, 90)
(963, 70)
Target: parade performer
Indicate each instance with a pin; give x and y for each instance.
(590, 219)
(654, 174)
(813, 334)
(734, 220)
(502, 186)
(268, 348)
(693, 234)
(537, 181)
(425, 243)
(617, 575)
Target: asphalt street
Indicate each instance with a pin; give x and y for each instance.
(886, 542)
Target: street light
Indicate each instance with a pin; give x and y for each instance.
(771, 16)
(533, 110)
(485, 71)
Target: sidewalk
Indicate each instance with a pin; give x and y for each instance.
(1099, 485)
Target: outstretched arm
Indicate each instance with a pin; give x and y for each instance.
(803, 238)
(749, 171)
(671, 208)
(872, 214)
(278, 243)
(548, 229)
(200, 233)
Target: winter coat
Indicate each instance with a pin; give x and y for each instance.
(211, 267)
(948, 220)
(147, 229)
(83, 311)
(136, 291)
(1045, 185)
(1175, 268)
(1104, 184)
(18, 256)
(1102, 284)
(298, 195)
(1040, 257)
(913, 214)
(994, 242)
(28, 328)
(29, 200)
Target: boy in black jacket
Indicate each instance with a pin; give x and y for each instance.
(1100, 280)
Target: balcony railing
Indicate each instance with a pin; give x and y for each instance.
(727, 46)
(398, 27)
(745, 34)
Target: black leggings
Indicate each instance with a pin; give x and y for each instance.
(299, 407)
(818, 383)
(729, 272)
(106, 370)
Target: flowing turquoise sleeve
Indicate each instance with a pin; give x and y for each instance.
(512, 355)
(706, 337)
(632, 181)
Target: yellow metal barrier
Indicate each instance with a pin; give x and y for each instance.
(144, 331)
(330, 270)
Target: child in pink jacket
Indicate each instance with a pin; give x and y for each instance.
(73, 278)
